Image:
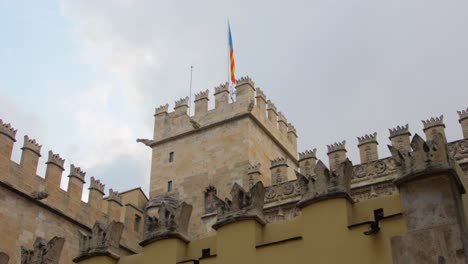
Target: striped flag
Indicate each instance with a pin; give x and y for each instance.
(231, 56)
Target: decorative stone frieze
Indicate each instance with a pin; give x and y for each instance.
(244, 205)
(32, 145)
(44, 252)
(103, 241)
(326, 184)
(56, 160)
(7, 130)
(172, 222)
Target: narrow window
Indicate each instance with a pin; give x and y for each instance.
(206, 252)
(171, 156)
(136, 226)
(169, 186)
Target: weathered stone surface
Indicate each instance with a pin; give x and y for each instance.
(4, 258)
(244, 205)
(104, 241)
(172, 222)
(325, 183)
(44, 252)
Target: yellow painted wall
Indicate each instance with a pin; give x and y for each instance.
(321, 234)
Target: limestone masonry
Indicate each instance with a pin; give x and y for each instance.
(228, 186)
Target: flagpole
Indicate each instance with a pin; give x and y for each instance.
(228, 60)
(190, 96)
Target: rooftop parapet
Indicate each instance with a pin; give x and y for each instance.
(244, 205)
(337, 146)
(202, 95)
(56, 160)
(368, 138)
(292, 129)
(103, 241)
(32, 145)
(7, 130)
(326, 184)
(245, 80)
(463, 114)
(115, 196)
(96, 185)
(433, 122)
(278, 162)
(172, 222)
(77, 173)
(162, 109)
(222, 88)
(181, 102)
(399, 131)
(271, 106)
(308, 154)
(260, 94)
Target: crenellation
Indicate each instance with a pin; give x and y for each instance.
(400, 137)
(75, 185)
(201, 102)
(77, 173)
(163, 109)
(7, 130)
(56, 160)
(53, 175)
(463, 120)
(272, 113)
(31, 145)
(221, 95)
(181, 106)
(307, 161)
(434, 125)
(282, 123)
(336, 153)
(245, 90)
(114, 196)
(368, 147)
(114, 205)
(254, 173)
(279, 170)
(96, 185)
(261, 101)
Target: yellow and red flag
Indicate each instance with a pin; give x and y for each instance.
(231, 56)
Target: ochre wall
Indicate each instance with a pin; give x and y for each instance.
(329, 231)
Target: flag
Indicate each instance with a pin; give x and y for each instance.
(231, 56)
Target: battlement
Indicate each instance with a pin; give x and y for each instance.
(308, 154)
(463, 114)
(250, 102)
(433, 122)
(337, 146)
(368, 138)
(279, 162)
(399, 131)
(7, 130)
(47, 191)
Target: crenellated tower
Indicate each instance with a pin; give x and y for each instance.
(220, 146)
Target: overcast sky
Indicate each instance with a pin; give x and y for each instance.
(84, 77)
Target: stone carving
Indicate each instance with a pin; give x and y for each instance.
(162, 109)
(433, 122)
(55, 159)
(7, 130)
(181, 102)
(244, 205)
(115, 196)
(459, 149)
(202, 95)
(43, 252)
(96, 185)
(368, 138)
(172, 222)
(4, 258)
(32, 145)
(224, 87)
(145, 141)
(377, 168)
(39, 195)
(326, 184)
(194, 123)
(103, 241)
(398, 131)
(423, 156)
(337, 146)
(210, 199)
(251, 106)
(366, 192)
(77, 173)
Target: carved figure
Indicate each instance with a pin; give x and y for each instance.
(44, 252)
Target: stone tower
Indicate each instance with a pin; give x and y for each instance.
(216, 148)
